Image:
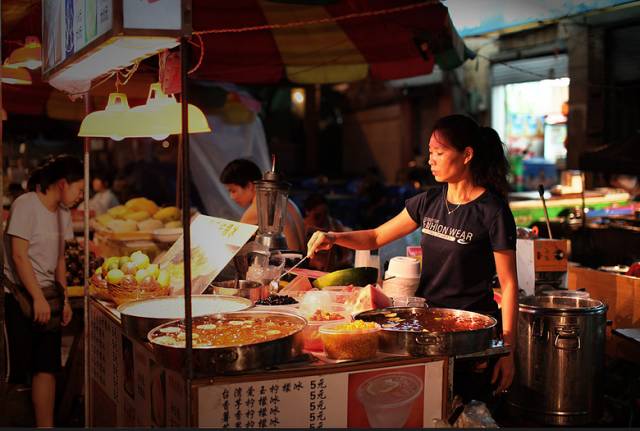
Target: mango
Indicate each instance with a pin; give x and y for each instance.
(167, 214)
(117, 212)
(142, 204)
(137, 216)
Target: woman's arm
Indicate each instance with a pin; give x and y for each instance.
(20, 256)
(397, 227)
(506, 269)
(61, 277)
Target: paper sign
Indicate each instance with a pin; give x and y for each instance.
(214, 242)
(391, 397)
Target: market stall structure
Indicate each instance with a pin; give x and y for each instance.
(417, 36)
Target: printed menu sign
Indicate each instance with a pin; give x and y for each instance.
(391, 397)
(214, 242)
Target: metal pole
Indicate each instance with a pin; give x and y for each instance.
(186, 219)
(87, 327)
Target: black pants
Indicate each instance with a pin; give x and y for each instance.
(30, 350)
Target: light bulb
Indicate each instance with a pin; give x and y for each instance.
(160, 137)
(117, 137)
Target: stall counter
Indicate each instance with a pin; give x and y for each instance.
(130, 387)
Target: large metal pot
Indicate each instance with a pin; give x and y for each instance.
(139, 317)
(252, 290)
(559, 360)
(209, 361)
(437, 343)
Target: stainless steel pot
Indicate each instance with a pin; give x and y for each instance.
(209, 361)
(139, 317)
(252, 290)
(559, 360)
(419, 343)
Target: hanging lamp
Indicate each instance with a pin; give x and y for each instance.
(161, 116)
(115, 121)
(29, 55)
(17, 76)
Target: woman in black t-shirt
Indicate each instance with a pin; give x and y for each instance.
(468, 231)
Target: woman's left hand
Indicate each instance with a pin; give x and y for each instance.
(503, 373)
(66, 314)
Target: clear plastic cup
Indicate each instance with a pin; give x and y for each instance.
(387, 398)
(408, 301)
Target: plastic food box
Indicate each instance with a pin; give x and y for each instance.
(357, 340)
(310, 334)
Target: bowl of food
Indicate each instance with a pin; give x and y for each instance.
(321, 316)
(357, 340)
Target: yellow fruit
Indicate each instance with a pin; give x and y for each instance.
(114, 276)
(153, 270)
(137, 216)
(142, 204)
(173, 224)
(140, 259)
(104, 219)
(149, 225)
(117, 212)
(167, 214)
(140, 275)
(163, 278)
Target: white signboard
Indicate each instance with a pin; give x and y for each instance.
(152, 14)
(391, 397)
(214, 242)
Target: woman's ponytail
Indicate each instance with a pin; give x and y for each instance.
(492, 172)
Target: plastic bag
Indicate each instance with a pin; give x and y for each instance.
(475, 414)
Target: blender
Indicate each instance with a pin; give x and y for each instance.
(271, 201)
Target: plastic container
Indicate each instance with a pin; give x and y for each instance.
(403, 266)
(354, 341)
(341, 294)
(408, 301)
(310, 335)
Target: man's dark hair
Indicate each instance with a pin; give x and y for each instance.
(314, 200)
(240, 172)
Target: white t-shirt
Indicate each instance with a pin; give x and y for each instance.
(102, 201)
(32, 221)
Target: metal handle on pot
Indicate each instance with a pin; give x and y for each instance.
(428, 340)
(567, 333)
(537, 327)
(224, 357)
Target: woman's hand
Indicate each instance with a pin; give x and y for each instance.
(41, 309)
(320, 241)
(503, 373)
(67, 313)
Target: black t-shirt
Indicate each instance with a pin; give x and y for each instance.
(458, 265)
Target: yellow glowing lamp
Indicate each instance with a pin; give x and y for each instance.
(29, 55)
(161, 116)
(17, 76)
(115, 121)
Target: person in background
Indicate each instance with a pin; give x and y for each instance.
(38, 225)
(317, 217)
(468, 235)
(238, 177)
(104, 198)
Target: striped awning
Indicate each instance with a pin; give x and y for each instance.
(266, 41)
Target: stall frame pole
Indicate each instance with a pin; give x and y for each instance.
(87, 328)
(186, 220)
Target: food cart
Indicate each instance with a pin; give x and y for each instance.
(126, 383)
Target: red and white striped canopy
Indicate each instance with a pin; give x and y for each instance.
(266, 41)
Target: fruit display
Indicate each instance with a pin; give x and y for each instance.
(139, 214)
(122, 279)
(74, 258)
